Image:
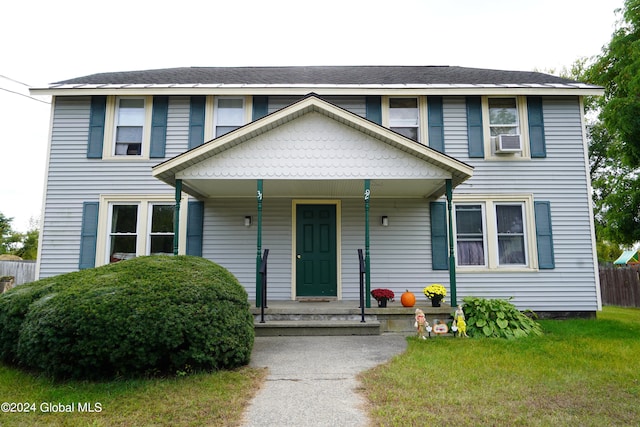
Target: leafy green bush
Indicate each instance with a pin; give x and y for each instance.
(497, 318)
(146, 316)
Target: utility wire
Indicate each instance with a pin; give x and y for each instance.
(26, 96)
(13, 80)
(18, 93)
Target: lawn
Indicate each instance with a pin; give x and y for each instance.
(580, 373)
(216, 399)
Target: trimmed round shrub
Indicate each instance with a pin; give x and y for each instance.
(146, 316)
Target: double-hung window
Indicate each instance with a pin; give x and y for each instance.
(142, 228)
(470, 235)
(404, 117)
(229, 115)
(123, 235)
(510, 234)
(494, 233)
(503, 117)
(130, 120)
(161, 229)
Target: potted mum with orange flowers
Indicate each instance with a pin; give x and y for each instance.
(382, 296)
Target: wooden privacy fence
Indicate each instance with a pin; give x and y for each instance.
(620, 286)
(22, 271)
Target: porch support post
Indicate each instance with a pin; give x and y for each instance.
(367, 196)
(176, 217)
(259, 246)
(452, 257)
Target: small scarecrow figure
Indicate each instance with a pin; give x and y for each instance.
(421, 323)
(459, 322)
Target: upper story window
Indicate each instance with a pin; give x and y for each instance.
(129, 126)
(505, 121)
(229, 115)
(503, 117)
(404, 117)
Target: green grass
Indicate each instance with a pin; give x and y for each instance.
(215, 399)
(581, 372)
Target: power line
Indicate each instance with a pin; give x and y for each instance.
(26, 96)
(14, 80)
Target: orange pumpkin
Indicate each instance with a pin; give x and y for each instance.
(408, 299)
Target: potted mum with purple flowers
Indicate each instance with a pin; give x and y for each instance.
(382, 296)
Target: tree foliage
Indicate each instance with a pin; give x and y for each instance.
(614, 131)
(8, 237)
(617, 69)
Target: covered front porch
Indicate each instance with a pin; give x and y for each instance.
(313, 183)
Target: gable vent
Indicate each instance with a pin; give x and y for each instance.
(508, 144)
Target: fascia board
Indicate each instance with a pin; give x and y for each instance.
(389, 90)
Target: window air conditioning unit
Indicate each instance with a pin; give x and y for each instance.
(508, 144)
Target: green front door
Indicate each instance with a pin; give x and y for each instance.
(316, 259)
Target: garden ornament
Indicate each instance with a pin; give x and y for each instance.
(459, 322)
(421, 323)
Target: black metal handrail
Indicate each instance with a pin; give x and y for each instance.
(363, 271)
(263, 284)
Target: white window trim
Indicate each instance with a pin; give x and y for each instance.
(523, 124)
(144, 202)
(212, 105)
(491, 232)
(423, 125)
(109, 143)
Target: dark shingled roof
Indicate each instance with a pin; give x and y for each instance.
(330, 75)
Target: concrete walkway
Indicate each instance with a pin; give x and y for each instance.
(311, 380)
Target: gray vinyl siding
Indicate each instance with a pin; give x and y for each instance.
(560, 178)
(400, 253)
(355, 104)
(72, 178)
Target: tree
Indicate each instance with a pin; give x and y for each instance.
(617, 69)
(614, 136)
(29, 249)
(8, 237)
(24, 245)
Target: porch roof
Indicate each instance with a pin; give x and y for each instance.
(219, 168)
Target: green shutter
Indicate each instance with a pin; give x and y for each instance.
(195, 222)
(439, 246)
(374, 109)
(260, 107)
(475, 132)
(536, 127)
(96, 127)
(196, 121)
(159, 126)
(88, 235)
(544, 236)
(436, 123)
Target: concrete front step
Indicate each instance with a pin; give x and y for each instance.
(318, 318)
(316, 327)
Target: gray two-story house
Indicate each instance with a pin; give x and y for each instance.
(473, 178)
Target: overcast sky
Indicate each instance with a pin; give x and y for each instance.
(47, 41)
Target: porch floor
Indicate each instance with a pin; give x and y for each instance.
(342, 318)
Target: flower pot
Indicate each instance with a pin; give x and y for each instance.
(382, 302)
(435, 302)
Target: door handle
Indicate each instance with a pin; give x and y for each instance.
(299, 256)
